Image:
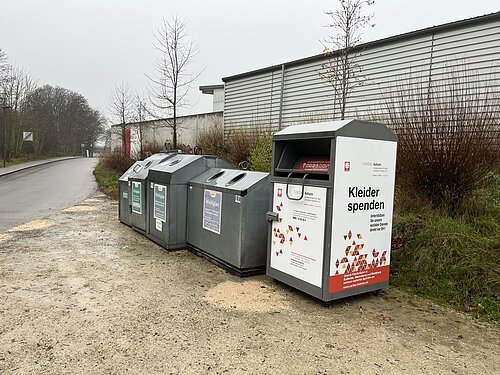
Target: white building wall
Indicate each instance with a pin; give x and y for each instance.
(158, 131)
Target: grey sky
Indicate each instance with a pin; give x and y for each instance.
(89, 45)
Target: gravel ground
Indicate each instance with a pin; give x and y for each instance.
(81, 293)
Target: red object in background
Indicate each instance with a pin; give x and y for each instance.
(317, 165)
(126, 142)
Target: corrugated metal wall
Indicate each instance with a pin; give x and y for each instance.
(254, 99)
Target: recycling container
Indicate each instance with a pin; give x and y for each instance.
(332, 201)
(137, 190)
(226, 218)
(167, 196)
(124, 212)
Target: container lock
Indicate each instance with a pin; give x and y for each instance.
(302, 187)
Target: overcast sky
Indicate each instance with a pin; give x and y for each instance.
(89, 45)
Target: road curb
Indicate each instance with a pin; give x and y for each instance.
(42, 162)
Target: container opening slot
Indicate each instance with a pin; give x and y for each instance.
(146, 166)
(137, 168)
(215, 176)
(166, 158)
(176, 161)
(236, 179)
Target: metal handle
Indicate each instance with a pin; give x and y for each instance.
(302, 191)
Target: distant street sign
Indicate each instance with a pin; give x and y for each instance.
(27, 136)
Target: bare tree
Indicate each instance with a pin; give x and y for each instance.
(4, 66)
(171, 79)
(121, 106)
(141, 115)
(15, 86)
(341, 70)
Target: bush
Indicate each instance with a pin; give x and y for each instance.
(116, 161)
(151, 148)
(239, 145)
(261, 154)
(448, 142)
(211, 141)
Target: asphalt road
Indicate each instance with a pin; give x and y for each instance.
(39, 192)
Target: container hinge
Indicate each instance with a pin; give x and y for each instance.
(271, 216)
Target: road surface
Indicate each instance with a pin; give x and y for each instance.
(44, 190)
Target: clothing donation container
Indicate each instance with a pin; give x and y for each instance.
(137, 190)
(226, 218)
(167, 196)
(332, 201)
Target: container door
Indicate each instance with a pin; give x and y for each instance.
(297, 238)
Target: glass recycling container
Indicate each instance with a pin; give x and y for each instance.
(332, 203)
(226, 218)
(137, 190)
(124, 210)
(167, 196)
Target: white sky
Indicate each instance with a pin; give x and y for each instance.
(89, 45)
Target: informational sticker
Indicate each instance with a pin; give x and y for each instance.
(136, 197)
(237, 198)
(297, 242)
(160, 202)
(125, 195)
(362, 213)
(159, 225)
(212, 209)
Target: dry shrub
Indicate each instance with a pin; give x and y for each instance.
(211, 141)
(239, 145)
(151, 148)
(116, 161)
(448, 141)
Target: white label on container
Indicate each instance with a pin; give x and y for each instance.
(136, 198)
(212, 210)
(158, 225)
(160, 202)
(237, 198)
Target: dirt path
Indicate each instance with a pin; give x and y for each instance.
(81, 293)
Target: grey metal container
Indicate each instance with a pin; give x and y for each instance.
(331, 207)
(167, 186)
(226, 218)
(137, 191)
(124, 208)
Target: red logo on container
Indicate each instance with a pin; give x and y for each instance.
(347, 166)
(280, 193)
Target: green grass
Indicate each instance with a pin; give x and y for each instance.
(107, 179)
(451, 260)
(24, 159)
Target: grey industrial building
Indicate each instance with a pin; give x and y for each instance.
(294, 92)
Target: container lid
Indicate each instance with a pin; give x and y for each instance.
(347, 128)
(134, 167)
(233, 181)
(141, 172)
